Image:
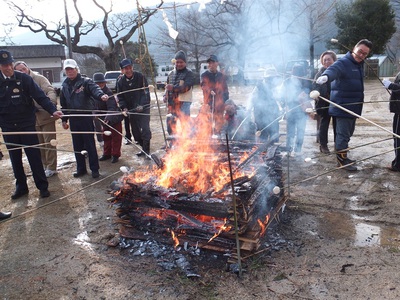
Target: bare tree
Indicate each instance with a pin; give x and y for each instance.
(116, 28)
(191, 37)
(232, 29)
(315, 18)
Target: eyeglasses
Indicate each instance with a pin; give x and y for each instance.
(361, 52)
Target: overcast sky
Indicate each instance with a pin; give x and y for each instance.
(53, 10)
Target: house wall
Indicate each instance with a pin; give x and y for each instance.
(48, 67)
(387, 69)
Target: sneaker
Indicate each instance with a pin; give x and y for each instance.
(128, 142)
(95, 174)
(114, 159)
(49, 173)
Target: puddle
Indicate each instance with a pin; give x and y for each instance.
(367, 235)
(373, 235)
(338, 225)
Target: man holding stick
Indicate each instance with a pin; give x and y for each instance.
(78, 95)
(347, 90)
(17, 114)
(134, 98)
(44, 121)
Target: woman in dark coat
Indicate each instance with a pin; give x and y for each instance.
(327, 58)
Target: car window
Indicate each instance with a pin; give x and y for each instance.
(112, 75)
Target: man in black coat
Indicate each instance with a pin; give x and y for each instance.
(77, 97)
(17, 114)
(135, 99)
(394, 107)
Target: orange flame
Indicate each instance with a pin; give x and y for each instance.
(175, 239)
(220, 228)
(193, 163)
(263, 225)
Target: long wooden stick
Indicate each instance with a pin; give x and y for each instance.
(359, 116)
(49, 132)
(20, 146)
(234, 208)
(38, 146)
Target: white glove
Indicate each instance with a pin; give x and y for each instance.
(322, 79)
(386, 83)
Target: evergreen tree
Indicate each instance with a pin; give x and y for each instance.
(370, 19)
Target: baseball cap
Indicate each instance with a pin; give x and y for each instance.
(125, 62)
(70, 63)
(212, 58)
(5, 57)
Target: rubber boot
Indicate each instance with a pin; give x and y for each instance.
(344, 161)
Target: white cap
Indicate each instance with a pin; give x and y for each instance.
(70, 63)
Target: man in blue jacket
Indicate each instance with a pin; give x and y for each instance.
(347, 90)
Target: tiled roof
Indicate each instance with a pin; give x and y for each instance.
(35, 51)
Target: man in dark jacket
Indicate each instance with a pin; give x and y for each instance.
(394, 107)
(17, 114)
(347, 90)
(76, 98)
(135, 99)
(178, 94)
(215, 91)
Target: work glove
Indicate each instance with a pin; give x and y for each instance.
(386, 83)
(139, 108)
(322, 79)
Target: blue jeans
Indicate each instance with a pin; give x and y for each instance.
(185, 108)
(344, 130)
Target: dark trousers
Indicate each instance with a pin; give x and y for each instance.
(396, 130)
(33, 155)
(140, 125)
(84, 142)
(344, 131)
(323, 129)
(127, 127)
(112, 143)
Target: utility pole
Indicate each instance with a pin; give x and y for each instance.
(176, 28)
(68, 31)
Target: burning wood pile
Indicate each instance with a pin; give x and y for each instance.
(190, 201)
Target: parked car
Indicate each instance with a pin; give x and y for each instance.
(162, 75)
(111, 79)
